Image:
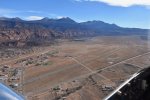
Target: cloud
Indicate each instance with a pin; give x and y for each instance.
(79, 0)
(59, 17)
(13, 13)
(34, 18)
(33, 11)
(6, 12)
(123, 3)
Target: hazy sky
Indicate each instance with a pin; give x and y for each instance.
(127, 13)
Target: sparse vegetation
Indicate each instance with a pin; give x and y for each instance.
(52, 53)
(44, 63)
(56, 88)
(47, 63)
(44, 69)
(29, 62)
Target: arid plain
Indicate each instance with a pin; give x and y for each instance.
(78, 69)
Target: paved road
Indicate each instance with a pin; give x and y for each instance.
(93, 72)
(59, 70)
(90, 70)
(48, 74)
(124, 61)
(40, 92)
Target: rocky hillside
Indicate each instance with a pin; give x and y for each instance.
(18, 32)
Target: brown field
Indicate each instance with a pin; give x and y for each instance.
(77, 70)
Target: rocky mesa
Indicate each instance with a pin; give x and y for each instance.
(18, 32)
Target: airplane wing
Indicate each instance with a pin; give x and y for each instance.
(7, 93)
(135, 88)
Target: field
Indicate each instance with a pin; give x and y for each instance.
(88, 69)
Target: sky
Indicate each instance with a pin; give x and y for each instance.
(125, 13)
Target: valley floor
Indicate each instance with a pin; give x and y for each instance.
(78, 70)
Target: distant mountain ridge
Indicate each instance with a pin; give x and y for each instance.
(18, 32)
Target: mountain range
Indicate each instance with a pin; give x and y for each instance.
(18, 32)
